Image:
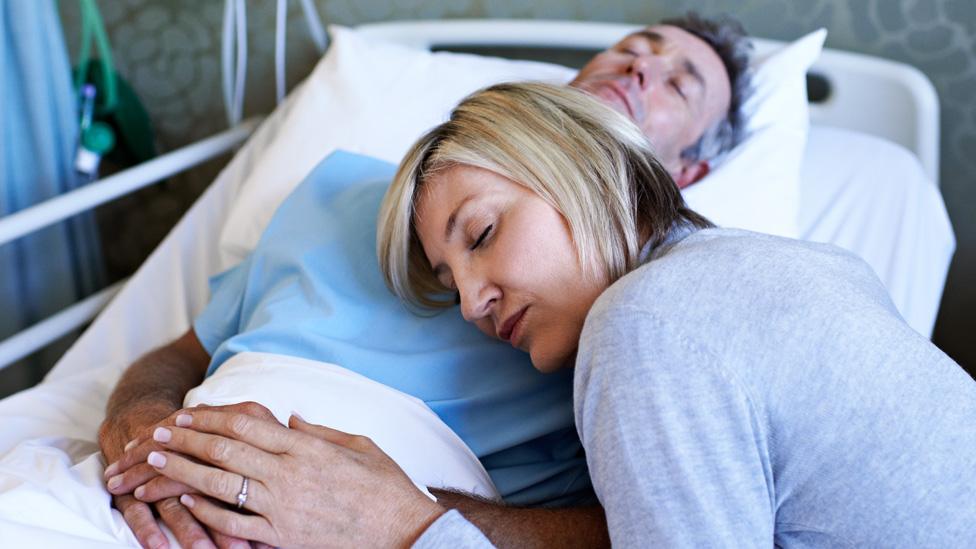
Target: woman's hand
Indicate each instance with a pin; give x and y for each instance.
(130, 474)
(307, 486)
(129, 471)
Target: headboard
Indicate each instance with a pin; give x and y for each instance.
(848, 90)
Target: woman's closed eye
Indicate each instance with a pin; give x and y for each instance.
(481, 239)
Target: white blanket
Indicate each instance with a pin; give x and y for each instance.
(51, 488)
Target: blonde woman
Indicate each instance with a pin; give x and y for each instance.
(731, 388)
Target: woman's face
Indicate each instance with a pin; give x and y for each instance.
(511, 258)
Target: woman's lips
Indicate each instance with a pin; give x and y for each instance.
(507, 330)
(518, 329)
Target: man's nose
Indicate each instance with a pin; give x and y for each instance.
(648, 69)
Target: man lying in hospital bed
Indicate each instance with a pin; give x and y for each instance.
(534, 395)
(311, 289)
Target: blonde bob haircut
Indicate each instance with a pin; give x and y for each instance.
(590, 163)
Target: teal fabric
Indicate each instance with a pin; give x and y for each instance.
(312, 288)
(52, 268)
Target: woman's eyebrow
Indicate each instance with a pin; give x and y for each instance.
(452, 219)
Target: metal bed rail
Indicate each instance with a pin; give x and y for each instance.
(85, 198)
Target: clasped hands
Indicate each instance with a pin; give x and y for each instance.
(308, 485)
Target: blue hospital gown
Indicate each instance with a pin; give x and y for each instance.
(312, 288)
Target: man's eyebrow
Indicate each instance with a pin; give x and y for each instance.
(649, 35)
(658, 38)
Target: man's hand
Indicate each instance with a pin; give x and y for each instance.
(115, 432)
(119, 429)
(129, 470)
(139, 421)
(150, 390)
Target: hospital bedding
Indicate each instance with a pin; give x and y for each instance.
(376, 98)
(50, 474)
(427, 450)
(51, 489)
(50, 465)
(873, 197)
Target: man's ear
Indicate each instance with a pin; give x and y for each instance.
(691, 172)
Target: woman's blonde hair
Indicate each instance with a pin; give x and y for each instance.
(590, 163)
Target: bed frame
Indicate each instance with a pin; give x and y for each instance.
(884, 98)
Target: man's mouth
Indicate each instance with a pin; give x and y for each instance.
(615, 93)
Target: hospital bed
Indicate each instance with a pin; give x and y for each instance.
(868, 182)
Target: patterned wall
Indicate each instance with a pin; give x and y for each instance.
(169, 51)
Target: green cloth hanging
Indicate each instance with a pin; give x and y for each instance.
(119, 117)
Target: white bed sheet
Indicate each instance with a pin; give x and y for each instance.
(872, 197)
(51, 492)
(886, 211)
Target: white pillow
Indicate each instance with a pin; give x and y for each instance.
(377, 98)
(367, 97)
(757, 185)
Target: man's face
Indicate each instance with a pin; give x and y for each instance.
(668, 81)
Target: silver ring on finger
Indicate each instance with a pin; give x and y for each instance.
(242, 495)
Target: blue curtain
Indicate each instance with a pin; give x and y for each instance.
(42, 273)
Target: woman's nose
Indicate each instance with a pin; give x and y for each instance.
(477, 298)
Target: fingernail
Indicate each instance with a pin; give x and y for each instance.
(112, 469)
(114, 482)
(162, 434)
(298, 417)
(202, 544)
(156, 541)
(185, 499)
(239, 545)
(156, 459)
(131, 444)
(184, 420)
(140, 491)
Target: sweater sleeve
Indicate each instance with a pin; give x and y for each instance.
(452, 530)
(675, 448)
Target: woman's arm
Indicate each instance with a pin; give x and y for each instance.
(677, 452)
